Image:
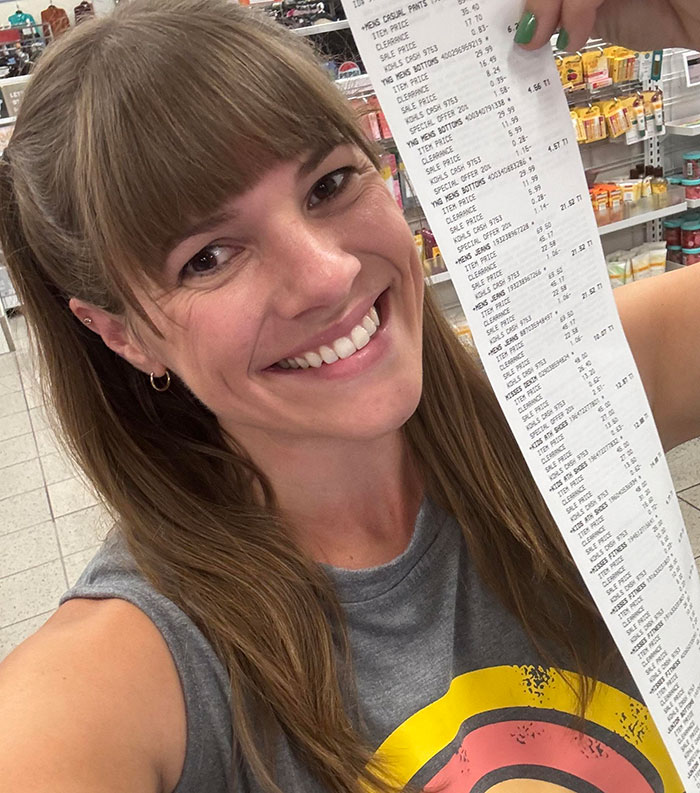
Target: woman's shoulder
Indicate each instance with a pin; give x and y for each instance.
(94, 690)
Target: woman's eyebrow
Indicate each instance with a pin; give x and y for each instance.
(315, 158)
(202, 227)
(307, 166)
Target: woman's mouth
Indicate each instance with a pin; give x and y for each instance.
(338, 350)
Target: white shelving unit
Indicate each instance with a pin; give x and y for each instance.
(440, 278)
(644, 211)
(351, 86)
(685, 127)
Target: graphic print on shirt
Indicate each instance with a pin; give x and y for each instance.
(509, 729)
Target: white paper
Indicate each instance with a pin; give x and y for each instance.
(485, 133)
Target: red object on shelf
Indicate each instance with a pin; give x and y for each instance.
(10, 36)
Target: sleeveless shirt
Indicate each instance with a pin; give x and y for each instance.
(451, 692)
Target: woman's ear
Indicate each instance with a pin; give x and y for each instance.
(116, 334)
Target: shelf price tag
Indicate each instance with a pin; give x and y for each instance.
(486, 135)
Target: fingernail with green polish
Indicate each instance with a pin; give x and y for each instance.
(526, 28)
(562, 39)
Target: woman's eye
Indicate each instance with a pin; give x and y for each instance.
(208, 260)
(329, 186)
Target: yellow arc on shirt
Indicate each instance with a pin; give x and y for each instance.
(434, 727)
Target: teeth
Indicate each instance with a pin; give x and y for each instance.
(343, 347)
(359, 336)
(314, 359)
(369, 326)
(340, 349)
(328, 354)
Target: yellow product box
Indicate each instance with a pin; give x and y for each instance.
(654, 110)
(596, 70)
(631, 190)
(621, 63)
(600, 197)
(616, 117)
(614, 196)
(634, 107)
(593, 123)
(571, 72)
(579, 128)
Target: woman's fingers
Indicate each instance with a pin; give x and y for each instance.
(572, 20)
(577, 19)
(539, 22)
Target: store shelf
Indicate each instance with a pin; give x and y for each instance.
(5, 122)
(323, 27)
(355, 85)
(644, 211)
(440, 278)
(694, 203)
(686, 127)
(587, 94)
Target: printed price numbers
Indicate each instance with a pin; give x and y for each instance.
(640, 422)
(558, 144)
(571, 202)
(584, 246)
(492, 62)
(593, 290)
(539, 86)
(601, 334)
(626, 379)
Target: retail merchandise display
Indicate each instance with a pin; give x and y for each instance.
(429, 253)
(372, 118)
(638, 116)
(23, 40)
(21, 20)
(55, 19)
(682, 237)
(83, 11)
(642, 262)
(606, 66)
(305, 13)
(643, 182)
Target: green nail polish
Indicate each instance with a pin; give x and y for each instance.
(526, 28)
(562, 40)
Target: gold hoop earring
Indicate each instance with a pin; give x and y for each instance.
(163, 388)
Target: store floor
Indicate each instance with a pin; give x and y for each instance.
(51, 523)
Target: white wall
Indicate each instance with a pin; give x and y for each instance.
(35, 7)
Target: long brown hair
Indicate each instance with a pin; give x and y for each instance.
(133, 125)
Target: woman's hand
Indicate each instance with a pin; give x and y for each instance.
(638, 24)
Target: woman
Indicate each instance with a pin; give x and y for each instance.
(330, 567)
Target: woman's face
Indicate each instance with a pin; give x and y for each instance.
(269, 316)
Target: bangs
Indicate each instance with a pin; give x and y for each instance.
(178, 109)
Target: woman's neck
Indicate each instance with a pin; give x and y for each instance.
(353, 503)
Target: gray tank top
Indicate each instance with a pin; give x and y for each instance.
(451, 691)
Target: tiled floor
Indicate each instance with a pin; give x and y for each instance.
(51, 523)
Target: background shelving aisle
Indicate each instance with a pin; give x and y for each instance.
(51, 522)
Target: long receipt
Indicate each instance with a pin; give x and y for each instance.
(485, 133)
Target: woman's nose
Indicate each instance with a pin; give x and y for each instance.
(313, 269)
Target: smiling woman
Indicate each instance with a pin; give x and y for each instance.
(187, 197)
